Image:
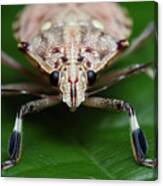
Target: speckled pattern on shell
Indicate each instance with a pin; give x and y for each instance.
(95, 26)
(72, 39)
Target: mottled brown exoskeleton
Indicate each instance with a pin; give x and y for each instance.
(70, 44)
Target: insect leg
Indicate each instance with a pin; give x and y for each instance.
(15, 140)
(137, 42)
(26, 89)
(108, 80)
(138, 140)
(12, 63)
(14, 92)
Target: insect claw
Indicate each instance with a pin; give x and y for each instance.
(7, 164)
(149, 163)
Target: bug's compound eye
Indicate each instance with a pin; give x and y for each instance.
(54, 78)
(91, 77)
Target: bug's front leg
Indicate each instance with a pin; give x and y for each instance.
(15, 65)
(15, 139)
(12, 63)
(138, 41)
(138, 140)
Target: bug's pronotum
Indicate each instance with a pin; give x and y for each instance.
(71, 45)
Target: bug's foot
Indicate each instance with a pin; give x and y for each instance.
(14, 150)
(139, 147)
(149, 163)
(8, 164)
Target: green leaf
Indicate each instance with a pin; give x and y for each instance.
(89, 143)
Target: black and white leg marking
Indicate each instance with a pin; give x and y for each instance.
(14, 144)
(138, 140)
(15, 139)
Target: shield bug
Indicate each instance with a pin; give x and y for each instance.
(70, 45)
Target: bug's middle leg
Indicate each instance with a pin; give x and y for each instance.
(15, 139)
(138, 41)
(27, 89)
(138, 140)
